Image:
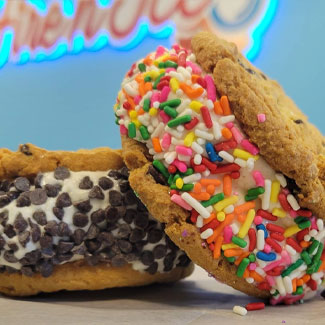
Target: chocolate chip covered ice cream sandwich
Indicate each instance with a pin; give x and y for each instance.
(70, 221)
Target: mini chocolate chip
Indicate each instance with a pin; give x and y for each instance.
(136, 235)
(263, 76)
(159, 251)
(98, 216)
(107, 238)
(5, 186)
(64, 247)
(9, 231)
(4, 200)
(92, 245)
(38, 196)
(22, 184)
(13, 195)
(45, 268)
(251, 71)
(155, 235)
(38, 180)
(23, 201)
(125, 246)
(130, 198)
(24, 238)
(10, 257)
(58, 212)
(78, 236)
(31, 257)
(2, 242)
(183, 261)
(52, 228)
(299, 121)
(131, 257)
(63, 229)
(4, 215)
(96, 193)
(124, 172)
(52, 190)
(152, 269)
(292, 186)
(63, 200)
(80, 220)
(92, 232)
(115, 198)
(61, 173)
(118, 261)
(92, 260)
(129, 215)
(140, 244)
(141, 220)
(48, 252)
(112, 214)
(158, 177)
(124, 186)
(40, 217)
(86, 183)
(46, 241)
(170, 244)
(169, 261)
(114, 174)
(24, 148)
(147, 257)
(141, 207)
(13, 247)
(83, 206)
(36, 232)
(105, 183)
(64, 257)
(124, 230)
(2, 193)
(27, 271)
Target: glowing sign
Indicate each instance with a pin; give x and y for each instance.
(37, 30)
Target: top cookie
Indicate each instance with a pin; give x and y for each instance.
(287, 141)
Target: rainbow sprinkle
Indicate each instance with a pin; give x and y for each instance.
(242, 208)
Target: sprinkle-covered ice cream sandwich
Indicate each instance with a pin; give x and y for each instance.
(241, 185)
(70, 221)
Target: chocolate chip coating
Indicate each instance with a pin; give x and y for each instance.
(38, 196)
(52, 190)
(61, 173)
(22, 184)
(20, 223)
(116, 233)
(86, 183)
(63, 200)
(147, 258)
(40, 217)
(115, 198)
(23, 200)
(83, 206)
(80, 219)
(96, 193)
(105, 183)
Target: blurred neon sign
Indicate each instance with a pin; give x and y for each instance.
(39, 30)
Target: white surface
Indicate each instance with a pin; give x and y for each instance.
(196, 300)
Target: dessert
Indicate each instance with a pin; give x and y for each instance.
(70, 221)
(243, 170)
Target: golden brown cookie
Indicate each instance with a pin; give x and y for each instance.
(58, 235)
(212, 115)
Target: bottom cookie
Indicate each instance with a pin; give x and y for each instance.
(81, 276)
(70, 221)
